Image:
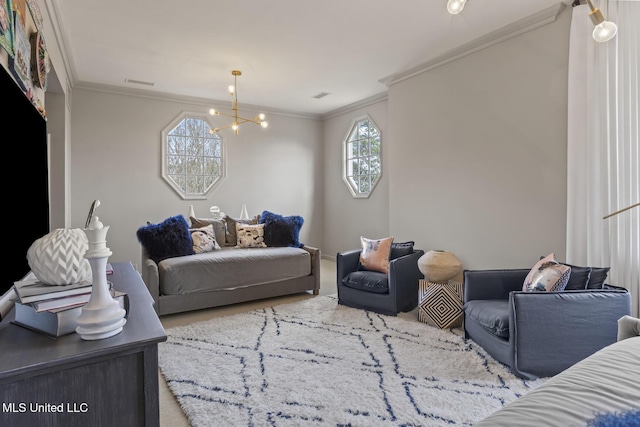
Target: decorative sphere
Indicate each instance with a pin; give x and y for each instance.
(58, 258)
(439, 266)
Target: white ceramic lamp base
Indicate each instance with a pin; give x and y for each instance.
(102, 316)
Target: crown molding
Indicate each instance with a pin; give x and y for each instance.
(514, 29)
(356, 105)
(184, 99)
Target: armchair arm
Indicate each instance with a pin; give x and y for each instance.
(492, 284)
(554, 330)
(404, 269)
(404, 276)
(347, 262)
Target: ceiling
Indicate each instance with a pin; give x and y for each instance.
(289, 51)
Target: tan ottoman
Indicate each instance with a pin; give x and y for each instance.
(440, 304)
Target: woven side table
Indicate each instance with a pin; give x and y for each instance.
(440, 304)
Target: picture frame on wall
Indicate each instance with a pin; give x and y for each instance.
(20, 64)
(6, 26)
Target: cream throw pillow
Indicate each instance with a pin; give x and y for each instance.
(250, 235)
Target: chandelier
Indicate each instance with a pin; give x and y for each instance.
(237, 120)
(604, 30)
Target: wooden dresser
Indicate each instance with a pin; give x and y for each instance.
(70, 382)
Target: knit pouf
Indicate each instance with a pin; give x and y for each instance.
(58, 258)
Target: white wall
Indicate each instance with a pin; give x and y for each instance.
(477, 163)
(116, 158)
(346, 218)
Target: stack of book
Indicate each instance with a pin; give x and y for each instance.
(53, 309)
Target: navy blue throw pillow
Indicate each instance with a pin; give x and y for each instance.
(281, 230)
(167, 239)
(401, 249)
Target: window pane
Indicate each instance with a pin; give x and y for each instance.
(211, 166)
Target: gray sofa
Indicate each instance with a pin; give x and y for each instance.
(539, 334)
(230, 275)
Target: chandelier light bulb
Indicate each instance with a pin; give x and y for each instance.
(213, 112)
(264, 124)
(234, 126)
(454, 7)
(231, 88)
(605, 31)
(261, 116)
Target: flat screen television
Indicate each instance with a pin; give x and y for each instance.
(26, 178)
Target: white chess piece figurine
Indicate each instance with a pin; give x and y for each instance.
(102, 317)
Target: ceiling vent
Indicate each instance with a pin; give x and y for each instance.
(321, 95)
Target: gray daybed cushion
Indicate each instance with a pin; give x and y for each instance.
(230, 268)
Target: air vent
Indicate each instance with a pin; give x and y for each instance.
(321, 95)
(138, 82)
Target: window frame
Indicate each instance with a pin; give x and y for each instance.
(355, 193)
(164, 160)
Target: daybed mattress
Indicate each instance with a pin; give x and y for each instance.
(607, 382)
(231, 268)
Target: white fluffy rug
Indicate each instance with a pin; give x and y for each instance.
(317, 363)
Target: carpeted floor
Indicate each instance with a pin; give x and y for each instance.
(171, 414)
(314, 362)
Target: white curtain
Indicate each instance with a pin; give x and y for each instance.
(603, 145)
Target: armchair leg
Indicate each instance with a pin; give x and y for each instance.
(316, 291)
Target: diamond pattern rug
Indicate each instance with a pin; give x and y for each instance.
(318, 363)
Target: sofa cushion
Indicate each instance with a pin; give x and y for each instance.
(281, 230)
(169, 238)
(204, 239)
(399, 249)
(232, 269)
(597, 277)
(219, 227)
(492, 315)
(250, 235)
(374, 255)
(578, 279)
(231, 237)
(371, 281)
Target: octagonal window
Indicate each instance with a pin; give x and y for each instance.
(192, 156)
(362, 166)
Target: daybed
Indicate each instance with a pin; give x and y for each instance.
(237, 270)
(601, 390)
(230, 275)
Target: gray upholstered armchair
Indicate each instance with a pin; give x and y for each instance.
(390, 293)
(539, 334)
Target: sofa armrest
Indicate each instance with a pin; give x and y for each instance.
(554, 330)
(315, 265)
(347, 262)
(151, 278)
(492, 284)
